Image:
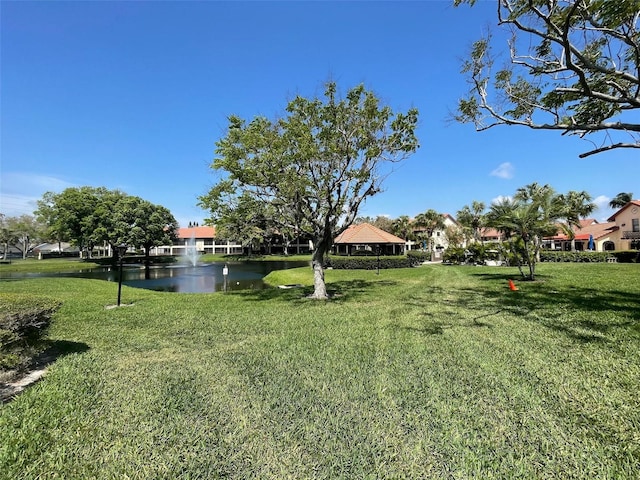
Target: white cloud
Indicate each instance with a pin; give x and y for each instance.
(602, 201)
(20, 191)
(500, 199)
(603, 211)
(13, 205)
(505, 170)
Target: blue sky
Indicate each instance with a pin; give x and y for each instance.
(134, 95)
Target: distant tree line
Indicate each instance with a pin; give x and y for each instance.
(88, 217)
(92, 216)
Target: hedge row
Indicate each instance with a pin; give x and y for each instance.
(369, 263)
(631, 256)
(23, 321)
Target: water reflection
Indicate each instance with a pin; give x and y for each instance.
(202, 278)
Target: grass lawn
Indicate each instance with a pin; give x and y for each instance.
(219, 257)
(49, 265)
(431, 372)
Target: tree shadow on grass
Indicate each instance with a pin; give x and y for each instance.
(444, 308)
(581, 313)
(53, 350)
(343, 291)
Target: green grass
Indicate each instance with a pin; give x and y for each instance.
(431, 372)
(219, 257)
(48, 265)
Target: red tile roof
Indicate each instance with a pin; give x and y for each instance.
(598, 230)
(197, 232)
(365, 233)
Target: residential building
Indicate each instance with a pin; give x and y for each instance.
(590, 230)
(202, 239)
(439, 242)
(626, 235)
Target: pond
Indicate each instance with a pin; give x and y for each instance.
(202, 278)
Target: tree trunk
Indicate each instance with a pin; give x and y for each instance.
(531, 260)
(317, 260)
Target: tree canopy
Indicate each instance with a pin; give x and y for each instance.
(427, 223)
(574, 68)
(472, 219)
(89, 216)
(23, 232)
(312, 168)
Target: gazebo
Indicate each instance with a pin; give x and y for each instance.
(364, 238)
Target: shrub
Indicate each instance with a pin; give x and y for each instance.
(588, 257)
(24, 320)
(418, 256)
(475, 253)
(368, 263)
(453, 255)
(628, 256)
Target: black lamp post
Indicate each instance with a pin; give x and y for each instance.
(122, 249)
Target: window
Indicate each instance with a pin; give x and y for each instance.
(635, 224)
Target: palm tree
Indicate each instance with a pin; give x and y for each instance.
(427, 223)
(472, 218)
(402, 228)
(576, 205)
(532, 214)
(621, 200)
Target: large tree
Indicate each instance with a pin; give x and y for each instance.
(141, 224)
(315, 166)
(244, 218)
(25, 231)
(8, 236)
(80, 215)
(574, 67)
(89, 216)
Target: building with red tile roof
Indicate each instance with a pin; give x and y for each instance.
(590, 229)
(627, 221)
(364, 237)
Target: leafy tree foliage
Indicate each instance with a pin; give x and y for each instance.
(23, 232)
(426, 224)
(7, 236)
(89, 216)
(78, 215)
(311, 169)
(244, 218)
(533, 213)
(141, 224)
(621, 200)
(454, 236)
(381, 221)
(472, 219)
(402, 227)
(574, 68)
